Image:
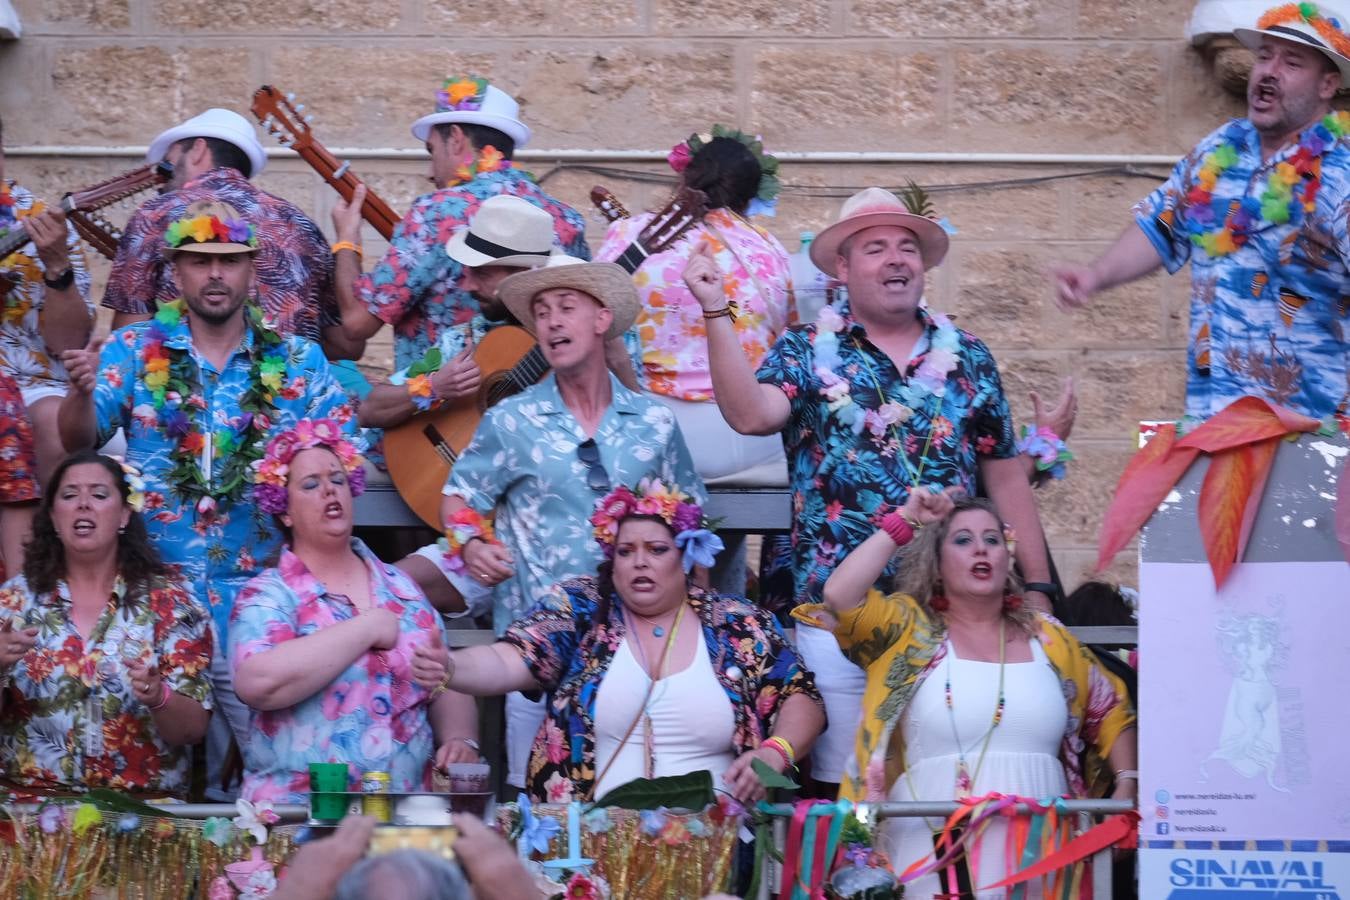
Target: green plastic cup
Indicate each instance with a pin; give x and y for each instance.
(327, 784)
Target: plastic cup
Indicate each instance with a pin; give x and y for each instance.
(468, 778)
(327, 784)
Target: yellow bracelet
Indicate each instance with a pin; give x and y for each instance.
(717, 314)
(782, 744)
(348, 245)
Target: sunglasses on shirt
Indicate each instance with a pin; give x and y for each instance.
(597, 479)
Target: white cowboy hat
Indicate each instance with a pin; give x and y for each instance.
(608, 283)
(504, 231)
(1294, 27)
(214, 123)
(876, 206)
(487, 106)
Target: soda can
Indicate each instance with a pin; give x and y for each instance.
(375, 803)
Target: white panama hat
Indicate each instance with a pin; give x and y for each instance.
(473, 101)
(504, 231)
(224, 124)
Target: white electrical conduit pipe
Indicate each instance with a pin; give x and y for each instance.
(594, 156)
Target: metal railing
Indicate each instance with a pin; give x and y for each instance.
(1086, 810)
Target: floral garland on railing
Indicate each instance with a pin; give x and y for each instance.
(175, 387)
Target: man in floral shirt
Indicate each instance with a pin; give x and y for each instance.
(875, 397)
(197, 389)
(416, 287)
(213, 157)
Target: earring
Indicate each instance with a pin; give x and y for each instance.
(122, 530)
(1011, 603)
(939, 602)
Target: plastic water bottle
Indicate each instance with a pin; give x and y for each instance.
(811, 286)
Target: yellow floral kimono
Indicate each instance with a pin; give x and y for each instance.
(897, 644)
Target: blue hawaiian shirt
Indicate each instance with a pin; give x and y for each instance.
(523, 463)
(1269, 320)
(373, 716)
(414, 286)
(216, 549)
(847, 470)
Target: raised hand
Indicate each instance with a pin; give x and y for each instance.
(1074, 286)
(925, 507)
(82, 365)
(1060, 417)
(704, 278)
(347, 216)
(15, 643)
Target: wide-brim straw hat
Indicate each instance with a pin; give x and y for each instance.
(877, 206)
(608, 283)
(494, 108)
(223, 124)
(504, 231)
(1300, 31)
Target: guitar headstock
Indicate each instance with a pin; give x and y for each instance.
(282, 117)
(608, 204)
(685, 210)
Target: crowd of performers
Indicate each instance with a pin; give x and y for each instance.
(205, 586)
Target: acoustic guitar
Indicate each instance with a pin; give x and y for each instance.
(421, 451)
(282, 117)
(96, 197)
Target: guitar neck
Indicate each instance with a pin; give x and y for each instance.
(632, 258)
(11, 242)
(529, 370)
(99, 235)
(340, 176)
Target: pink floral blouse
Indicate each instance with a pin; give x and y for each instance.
(670, 329)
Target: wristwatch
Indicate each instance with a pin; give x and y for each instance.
(62, 281)
(1041, 587)
(471, 744)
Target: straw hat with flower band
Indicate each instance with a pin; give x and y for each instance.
(1303, 23)
(876, 206)
(208, 226)
(608, 283)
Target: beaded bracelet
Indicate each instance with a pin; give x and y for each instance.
(464, 526)
(422, 392)
(1047, 449)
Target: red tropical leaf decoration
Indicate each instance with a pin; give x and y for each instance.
(1241, 441)
(1151, 473)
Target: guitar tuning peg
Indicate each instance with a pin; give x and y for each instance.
(290, 96)
(309, 118)
(299, 107)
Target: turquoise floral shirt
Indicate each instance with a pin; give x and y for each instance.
(415, 286)
(219, 546)
(523, 463)
(372, 717)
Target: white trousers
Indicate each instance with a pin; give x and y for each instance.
(841, 685)
(524, 718)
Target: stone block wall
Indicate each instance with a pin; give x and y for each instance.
(965, 76)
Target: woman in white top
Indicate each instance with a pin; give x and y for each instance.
(968, 692)
(646, 674)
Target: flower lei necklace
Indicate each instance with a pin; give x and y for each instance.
(175, 386)
(1220, 226)
(490, 159)
(7, 213)
(930, 379)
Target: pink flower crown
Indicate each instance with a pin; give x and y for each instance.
(693, 530)
(272, 471)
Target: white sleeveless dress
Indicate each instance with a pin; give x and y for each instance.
(691, 718)
(1022, 758)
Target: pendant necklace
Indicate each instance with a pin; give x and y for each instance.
(965, 779)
